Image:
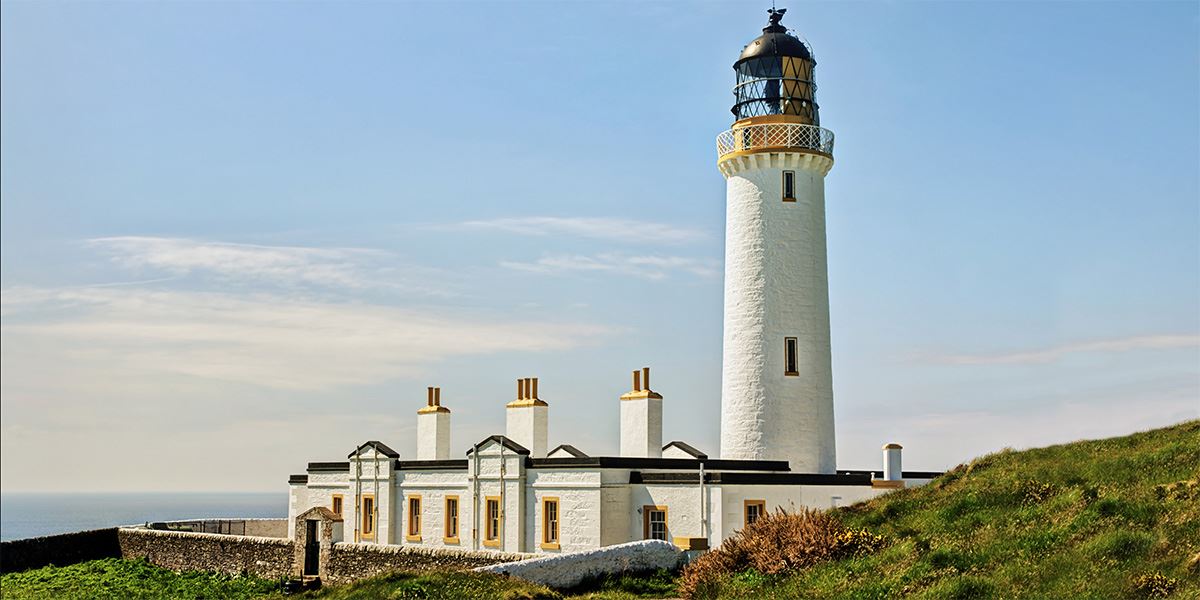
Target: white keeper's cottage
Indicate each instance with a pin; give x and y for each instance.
(511, 493)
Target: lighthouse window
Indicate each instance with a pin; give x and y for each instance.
(789, 186)
(789, 357)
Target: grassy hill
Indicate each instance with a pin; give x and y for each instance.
(1112, 518)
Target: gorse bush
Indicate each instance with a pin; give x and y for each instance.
(777, 543)
(1154, 585)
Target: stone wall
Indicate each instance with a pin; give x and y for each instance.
(58, 550)
(186, 551)
(569, 570)
(349, 562)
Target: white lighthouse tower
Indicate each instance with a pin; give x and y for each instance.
(777, 382)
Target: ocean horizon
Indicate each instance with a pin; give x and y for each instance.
(26, 515)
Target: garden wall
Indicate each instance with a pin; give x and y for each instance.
(60, 550)
(186, 551)
(348, 562)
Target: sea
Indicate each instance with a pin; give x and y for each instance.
(25, 515)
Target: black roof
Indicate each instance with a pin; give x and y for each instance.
(687, 448)
(377, 445)
(775, 41)
(569, 449)
(503, 441)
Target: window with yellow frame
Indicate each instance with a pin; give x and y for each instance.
(367, 516)
(414, 519)
(550, 522)
(450, 530)
(493, 521)
(753, 510)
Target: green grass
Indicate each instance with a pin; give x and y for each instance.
(437, 585)
(132, 579)
(456, 585)
(136, 579)
(1113, 518)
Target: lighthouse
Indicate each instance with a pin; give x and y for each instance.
(776, 380)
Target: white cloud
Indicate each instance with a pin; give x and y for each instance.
(343, 268)
(1054, 353)
(264, 340)
(646, 267)
(605, 228)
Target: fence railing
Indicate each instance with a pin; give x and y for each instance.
(781, 136)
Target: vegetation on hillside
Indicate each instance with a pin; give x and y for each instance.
(128, 579)
(1113, 518)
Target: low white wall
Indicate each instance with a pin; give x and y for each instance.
(569, 570)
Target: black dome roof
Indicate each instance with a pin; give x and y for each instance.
(775, 41)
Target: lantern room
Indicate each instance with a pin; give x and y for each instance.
(775, 76)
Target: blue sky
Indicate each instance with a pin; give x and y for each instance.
(240, 236)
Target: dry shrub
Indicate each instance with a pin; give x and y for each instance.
(777, 543)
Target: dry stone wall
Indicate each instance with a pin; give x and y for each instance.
(349, 562)
(231, 554)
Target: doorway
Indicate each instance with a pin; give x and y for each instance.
(312, 548)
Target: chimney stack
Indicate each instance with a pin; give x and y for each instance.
(528, 418)
(433, 427)
(641, 419)
(891, 462)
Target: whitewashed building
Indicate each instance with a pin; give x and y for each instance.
(511, 493)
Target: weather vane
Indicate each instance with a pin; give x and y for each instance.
(776, 14)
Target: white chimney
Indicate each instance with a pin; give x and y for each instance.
(641, 419)
(891, 462)
(528, 418)
(433, 428)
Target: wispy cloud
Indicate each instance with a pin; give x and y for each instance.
(604, 228)
(182, 256)
(263, 340)
(646, 267)
(1055, 353)
(342, 268)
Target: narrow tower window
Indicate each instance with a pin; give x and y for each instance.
(789, 357)
(789, 186)
(337, 504)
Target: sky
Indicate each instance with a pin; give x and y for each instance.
(239, 236)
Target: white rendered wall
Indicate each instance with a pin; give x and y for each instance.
(641, 427)
(433, 487)
(579, 507)
(776, 286)
(433, 436)
(297, 503)
(527, 425)
(508, 484)
(375, 479)
(892, 470)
